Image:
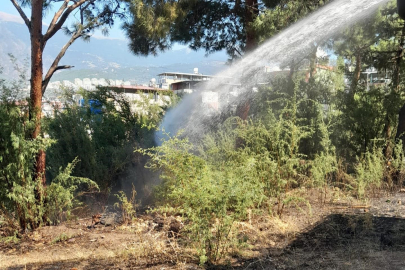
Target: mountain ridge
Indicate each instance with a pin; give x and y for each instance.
(109, 57)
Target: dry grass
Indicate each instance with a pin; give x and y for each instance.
(140, 245)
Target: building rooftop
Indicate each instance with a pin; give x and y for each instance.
(173, 74)
(184, 74)
(138, 88)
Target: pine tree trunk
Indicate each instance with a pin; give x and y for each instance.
(243, 109)
(401, 125)
(291, 83)
(312, 62)
(36, 88)
(251, 12)
(395, 84)
(356, 75)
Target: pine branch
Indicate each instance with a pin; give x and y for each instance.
(56, 24)
(58, 14)
(22, 14)
(55, 65)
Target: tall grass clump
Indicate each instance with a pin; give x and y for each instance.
(369, 172)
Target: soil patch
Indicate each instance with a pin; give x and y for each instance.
(344, 234)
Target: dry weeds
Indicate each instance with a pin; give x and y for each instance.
(340, 234)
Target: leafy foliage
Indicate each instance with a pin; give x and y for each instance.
(210, 196)
(282, 14)
(18, 191)
(239, 167)
(103, 142)
(61, 193)
(209, 25)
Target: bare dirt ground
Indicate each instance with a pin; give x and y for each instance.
(342, 234)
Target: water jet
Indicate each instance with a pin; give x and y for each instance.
(278, 51)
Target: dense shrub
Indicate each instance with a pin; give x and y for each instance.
(210, 196)
(18, 186)
(103, 141)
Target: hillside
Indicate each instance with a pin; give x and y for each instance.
(91, 60)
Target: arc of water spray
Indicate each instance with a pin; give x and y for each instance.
(281, 48)
(320, 25)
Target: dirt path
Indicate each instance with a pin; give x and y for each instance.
(342, 235)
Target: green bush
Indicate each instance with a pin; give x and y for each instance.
(273, 140)
(237, 168)
(359, 121)
(103, 142)
(18, 187)
(211, 197)
(61, 194)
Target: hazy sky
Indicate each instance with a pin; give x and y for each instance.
(116, 33)
(7, 7)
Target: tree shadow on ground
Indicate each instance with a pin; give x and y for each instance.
(341, 242)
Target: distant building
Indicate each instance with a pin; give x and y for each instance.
(370, 77)
(87, 83)
(78, 82)
(182, 82)
(158, 91)
(102, 82)
(94, 81)
(49, 107)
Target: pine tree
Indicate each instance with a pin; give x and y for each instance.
(92, 15)
(209, 25)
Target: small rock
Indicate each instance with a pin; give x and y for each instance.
(93, 240)
(399, 202)
(102, 237)
(71, 240)
(272, 243)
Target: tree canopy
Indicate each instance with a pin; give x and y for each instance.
(235, 26)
